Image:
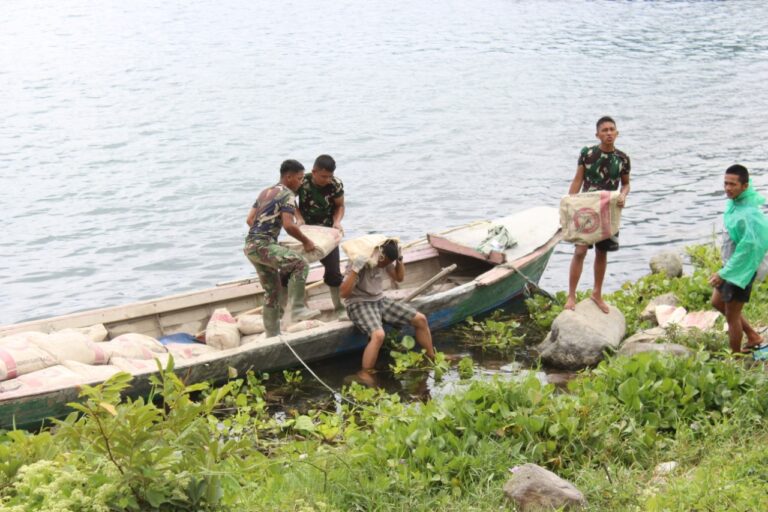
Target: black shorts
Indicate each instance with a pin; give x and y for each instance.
(729, 292)
(608, 245)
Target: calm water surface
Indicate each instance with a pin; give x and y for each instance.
(134, 136)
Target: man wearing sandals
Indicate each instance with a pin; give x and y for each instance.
(745, 242)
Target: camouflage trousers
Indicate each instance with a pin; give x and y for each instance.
(270, 259)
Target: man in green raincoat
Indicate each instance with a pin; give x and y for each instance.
(745, 242)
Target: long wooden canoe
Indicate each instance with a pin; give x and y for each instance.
(481, 282)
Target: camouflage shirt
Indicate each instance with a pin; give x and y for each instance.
(316, 204)
(603, 171)
(272, 202)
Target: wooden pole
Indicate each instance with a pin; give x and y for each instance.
(418, 291)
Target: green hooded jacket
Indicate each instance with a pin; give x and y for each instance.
(748, 229)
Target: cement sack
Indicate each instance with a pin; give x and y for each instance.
(325, 239)
(221, 331)
(250, 324)
(133, 346)
(367, 246)
(188, 350)
(19, 356)
(40, 381)
(73, 345)
(140, 366)
(304, 325)
(90, 373)
(95, 333)
(589, 217)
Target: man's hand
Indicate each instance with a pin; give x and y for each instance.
(359, 263)
(715, 280)
(309, 246)
(399, 252)
(622, 201)
(337, 225)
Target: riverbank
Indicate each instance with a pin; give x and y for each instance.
(607, 435)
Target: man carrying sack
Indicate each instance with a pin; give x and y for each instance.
(321, 203)
(368, 308)
(600, 167)
(273, 210)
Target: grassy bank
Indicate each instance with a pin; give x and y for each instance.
(606, 434)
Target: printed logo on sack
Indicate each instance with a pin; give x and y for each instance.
(586, 220)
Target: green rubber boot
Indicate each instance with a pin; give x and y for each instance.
(271, 316)
(338, 307)
(296, 310)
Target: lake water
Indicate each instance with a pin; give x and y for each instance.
(134, 136)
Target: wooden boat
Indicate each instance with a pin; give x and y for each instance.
(482, 281)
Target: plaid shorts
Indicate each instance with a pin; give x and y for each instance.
(368, 316)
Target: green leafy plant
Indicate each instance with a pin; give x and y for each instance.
(497, 332)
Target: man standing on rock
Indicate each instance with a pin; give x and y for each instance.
(321, 202)
(601, 167)
(745, 242)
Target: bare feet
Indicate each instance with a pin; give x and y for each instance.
(366, 378)
(601, 304)
(570, 303)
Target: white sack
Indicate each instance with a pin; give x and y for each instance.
(367, 246)
(221, 331)
(590, 217)
(133, 346)
(325, 239)
(18, 356)
(72, 345)
(250, 324)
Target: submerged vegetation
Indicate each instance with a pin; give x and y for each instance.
(219, 448)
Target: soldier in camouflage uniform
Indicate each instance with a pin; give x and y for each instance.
(321, 202)
(601, 167)
(273, 210)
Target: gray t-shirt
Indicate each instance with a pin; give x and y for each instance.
(369, 286)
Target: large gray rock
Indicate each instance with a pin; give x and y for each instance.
(631, 349)
(649, 313)
(533, 488)
(667, 262)
(579, 338)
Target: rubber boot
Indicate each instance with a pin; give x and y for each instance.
(338, 307)
(297, 311)
(282, 298)
(271, 316)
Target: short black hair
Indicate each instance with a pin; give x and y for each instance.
(389, 250)
(740, 171)
(291, 167)
(326, 163)
(604, 119)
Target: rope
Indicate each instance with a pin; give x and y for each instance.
(336, 394)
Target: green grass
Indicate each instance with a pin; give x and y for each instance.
(605, 434)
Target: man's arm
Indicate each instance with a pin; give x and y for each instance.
(251, 217)
(293, 229)
(624, 191)
(299, 218)
(397, 270)
(350, 279)
(578, 180)
(338, 212)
